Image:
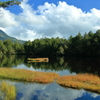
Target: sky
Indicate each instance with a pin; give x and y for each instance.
(34, 19)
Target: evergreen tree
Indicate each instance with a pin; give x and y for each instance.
(9, 3)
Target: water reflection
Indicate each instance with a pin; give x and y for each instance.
(84, 65)
(65, 65)
(35, 91)
(11, 60)
(62, 72)
(62, 66)
(48, 92)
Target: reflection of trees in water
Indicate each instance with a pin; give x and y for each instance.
(10, 60)
(77, 65)
(54, 64)
(84, 65)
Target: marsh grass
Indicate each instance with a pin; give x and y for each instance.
(81, 81)
(27, 75)
(8, 92)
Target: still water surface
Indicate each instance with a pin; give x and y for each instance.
(52, 91)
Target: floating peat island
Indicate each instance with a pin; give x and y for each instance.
(80, 81)
(38, 59)
(28, 76)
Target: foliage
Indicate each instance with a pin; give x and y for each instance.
(46, 46)
(82, 46)
(9, 3)
(87, 45)
(9, 47)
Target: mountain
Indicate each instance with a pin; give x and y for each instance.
(4, 36)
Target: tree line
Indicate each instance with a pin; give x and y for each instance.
(8, 47)
(86, 45)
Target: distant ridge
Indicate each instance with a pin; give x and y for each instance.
(4, 36)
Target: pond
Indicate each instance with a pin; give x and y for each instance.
(52, 91)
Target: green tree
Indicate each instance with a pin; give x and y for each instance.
(60, 51)
(17, 47)
(9, 3)
(1, 44)
(75, 45)
(3, 49)
(9, 45)
(27, 47)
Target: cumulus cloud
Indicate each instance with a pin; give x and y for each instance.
(7, 19)
(47, 92)
(49, 20)
(50, 92)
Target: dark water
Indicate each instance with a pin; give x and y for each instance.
(52, 91)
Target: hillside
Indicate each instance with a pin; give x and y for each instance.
(4, 36)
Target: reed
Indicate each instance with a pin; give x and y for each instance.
(27, 75)
(9, 91)
(81, 81)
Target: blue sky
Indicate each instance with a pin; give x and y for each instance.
(85, 5)
(50, 18)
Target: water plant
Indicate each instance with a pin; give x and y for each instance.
(27, 75)
(8, 92)
(81, 81)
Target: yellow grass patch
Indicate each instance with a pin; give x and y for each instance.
(81, 81)
(9, 91)
(27, 75)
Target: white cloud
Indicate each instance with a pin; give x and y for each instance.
(8, 19)
(94, 95)
(49, 20)
(47, 92)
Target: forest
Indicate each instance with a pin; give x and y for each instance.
(87, 45)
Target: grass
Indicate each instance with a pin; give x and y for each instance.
(8, 92)
(81, 81)
(27, 75)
